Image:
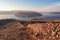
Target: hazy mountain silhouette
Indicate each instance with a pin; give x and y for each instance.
(27, 14)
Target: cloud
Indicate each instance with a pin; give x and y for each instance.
(55, 7)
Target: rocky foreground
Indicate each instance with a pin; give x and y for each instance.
(34, 30)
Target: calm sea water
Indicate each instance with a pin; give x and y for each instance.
(45, 16)
(6, 16)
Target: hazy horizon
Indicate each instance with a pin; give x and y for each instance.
(31, 5)
(27, 15)
(8, 8)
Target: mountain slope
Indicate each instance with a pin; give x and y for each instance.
(42, 30)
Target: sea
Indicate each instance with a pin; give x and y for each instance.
(45, 16)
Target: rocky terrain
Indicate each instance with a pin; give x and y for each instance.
(30, 30)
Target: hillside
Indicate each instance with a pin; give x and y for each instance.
(6, 21)
(31, 30)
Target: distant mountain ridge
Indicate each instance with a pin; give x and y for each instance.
(27, 14)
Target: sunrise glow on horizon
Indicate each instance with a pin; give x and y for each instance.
(34, 5)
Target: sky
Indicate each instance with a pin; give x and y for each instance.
(34, 5)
